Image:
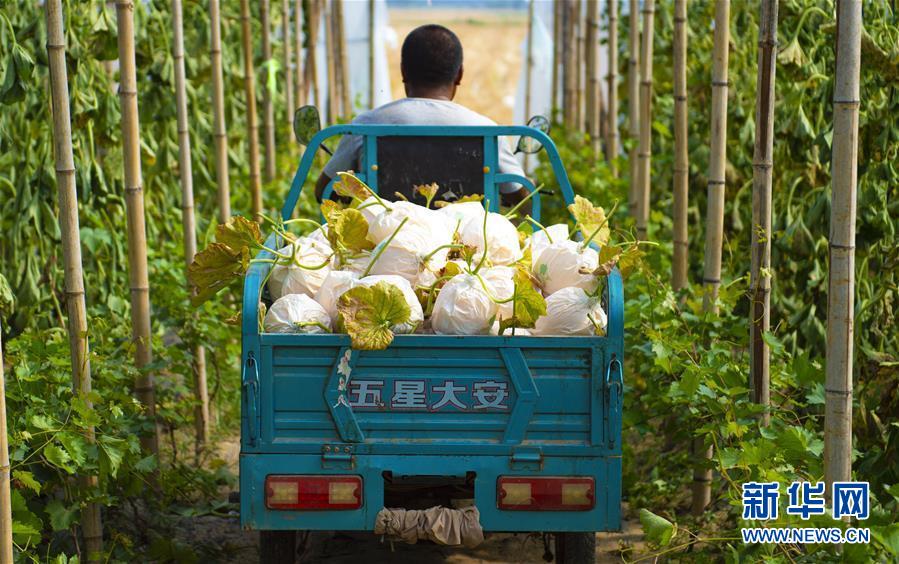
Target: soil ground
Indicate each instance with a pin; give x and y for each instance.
(491, 41)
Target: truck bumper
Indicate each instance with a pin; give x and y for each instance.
(605, 515)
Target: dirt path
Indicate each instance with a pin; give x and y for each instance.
(221, 539)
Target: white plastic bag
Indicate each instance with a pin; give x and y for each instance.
(386, 222)
(539, 240)
(568, 312)
(502, 238)
(460, 213)
(463, 308)
(297, 277)
(296, 313)
(519, 332)
(405, 255)
(559, 266)
(499, 280)
(416, 315)
(337, 282)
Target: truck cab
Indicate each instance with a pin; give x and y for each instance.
(525, 429)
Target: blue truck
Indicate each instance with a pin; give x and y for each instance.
(331, 435)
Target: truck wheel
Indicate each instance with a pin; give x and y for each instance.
(575, 548)
(277, 547)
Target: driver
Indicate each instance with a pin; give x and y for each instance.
(431, 65)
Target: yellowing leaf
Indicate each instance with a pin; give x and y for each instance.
(528, 303)
(427, 191)
(351, 187)
(591, 219)
(349, 228)
(238, 232)
(368, 312)
(214, 268)
(328, 208)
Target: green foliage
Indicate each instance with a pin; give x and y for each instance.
(687, 371)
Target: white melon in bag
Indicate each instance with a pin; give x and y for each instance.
(405, 255)
(559, 265)
(297, 277)
(463, 308)
(541, 238)
(502, 238)
(416, 315)
(296, 313)
(500, 281)
(460, 213)
(568, 312)
(383, 224)
(519, 332)
(337, 282)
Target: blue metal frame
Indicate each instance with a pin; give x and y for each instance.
(395, 441)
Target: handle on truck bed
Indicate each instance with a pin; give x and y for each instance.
(251, 397)
(614, 385)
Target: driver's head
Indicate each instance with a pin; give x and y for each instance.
(431, 59)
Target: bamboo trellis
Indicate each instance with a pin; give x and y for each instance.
(528, 71)
(288, 69)
(268, 107)
(220, 133)
(76, 308)
(310, 72)
(612, 113)
(252, 124)
(5, 493)
(702, 474)
(188, 221)
(331, 62)
(762, 171)
(644, 151)
(569, 64)
(841, 285)
(558, 16)
(679, 263)
(579, 67)
(371, 54)
(633, 99)
(591, 59)
(346, 102)
(299, 93)
(136, 222)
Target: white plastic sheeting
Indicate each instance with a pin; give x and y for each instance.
(355, 21)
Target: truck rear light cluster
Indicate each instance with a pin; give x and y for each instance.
(551, 493)
(311, 492)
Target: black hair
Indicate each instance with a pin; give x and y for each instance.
(431, 56)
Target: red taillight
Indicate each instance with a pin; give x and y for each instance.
(313, 492)
(545, 493)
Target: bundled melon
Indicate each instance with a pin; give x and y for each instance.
(379, 268)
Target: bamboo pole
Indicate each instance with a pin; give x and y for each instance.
(268, 108)
(346, 94)
(331, 62)
(679, 264)
(633, 99)
(612, 113)
(300, 94)
(371, 54)
(702, 475)
(644, 151)
(528, 70)
(310, 69)
(591, 56)
(76, 309)
(252, 125)
(580, 77)
(569, 65)
(762, 164)
(188, 221)
(558, 16)
(841, 285)
(137, 231)
(288, 70)
(220, 132)
(5, 493)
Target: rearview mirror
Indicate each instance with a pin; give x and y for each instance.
(306, 123)
(529, 144)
